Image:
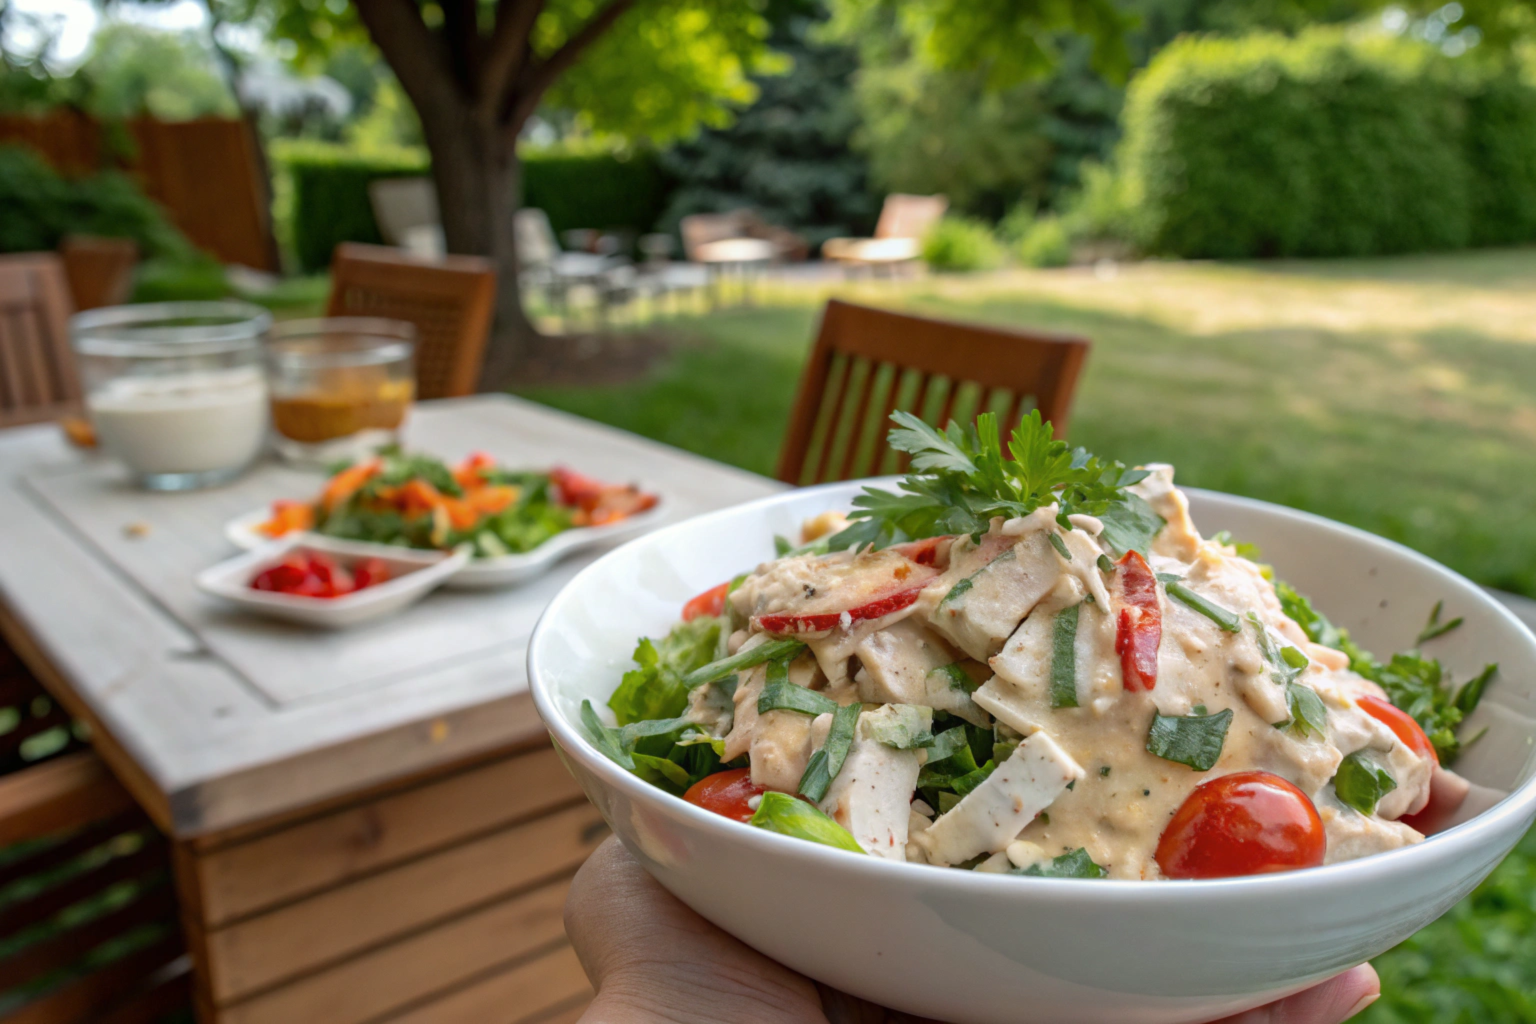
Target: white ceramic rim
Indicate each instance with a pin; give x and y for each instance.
(1518, 804)
(218, 579)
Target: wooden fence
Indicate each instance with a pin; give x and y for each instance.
(204, 172)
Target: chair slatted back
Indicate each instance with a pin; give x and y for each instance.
(100, 270)
(88, 917)
(450, 301)
(37, 369)
(867, 363)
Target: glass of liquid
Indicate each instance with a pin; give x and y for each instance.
(176, 390)
(340, 386)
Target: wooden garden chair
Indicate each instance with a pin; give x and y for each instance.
(450, 301)
(87, 904)
(867, 363)
(904, 220)
(100, 270)
(37, 370)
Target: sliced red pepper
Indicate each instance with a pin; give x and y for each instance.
(1139, 624)
(573, 488)
(925, 552)
(711, 602)
(821, 621)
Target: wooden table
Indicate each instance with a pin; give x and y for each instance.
(394, 849)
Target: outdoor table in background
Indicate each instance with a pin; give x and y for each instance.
(746, 256)
(352, 840)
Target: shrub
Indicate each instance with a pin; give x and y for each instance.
(328, 192)
(1101, 208)
(1326, 145)
(961, 244)
(1046, 244)
(41, 207)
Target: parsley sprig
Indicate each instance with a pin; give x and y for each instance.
(962, 478)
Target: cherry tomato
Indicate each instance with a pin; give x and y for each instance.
(711, 602)
(370, 572)
(1401, 723)
(725, 793)
(1139, 624)
(1246, 823)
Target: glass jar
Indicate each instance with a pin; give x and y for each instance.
(176, 390)
(341, 386)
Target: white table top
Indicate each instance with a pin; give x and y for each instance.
(222, 751)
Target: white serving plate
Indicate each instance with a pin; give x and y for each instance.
(989, 949)
(414, 574)
(482, 573)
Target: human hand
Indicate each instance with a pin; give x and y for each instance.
(654, 961)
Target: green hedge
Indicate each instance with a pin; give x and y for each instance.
(329, 192)
(1325, 145)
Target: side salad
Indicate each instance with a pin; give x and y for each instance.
(417, 501)
(1027, 660)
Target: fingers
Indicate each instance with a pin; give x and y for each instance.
(1334, 1001)
(652, 959)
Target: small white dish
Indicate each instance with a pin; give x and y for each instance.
(482, 573)
(413, 575)
(989, 949)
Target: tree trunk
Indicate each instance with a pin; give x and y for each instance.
(476, 171)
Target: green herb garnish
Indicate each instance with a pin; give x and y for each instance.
(1076, 864)
(791, 816)
(1060, 545)
(828, 761)
(1416, 684)
(773, 650)
(1308, 714)
(1434, 627)
(901, 726)
(1361, 783)
(962, 479)
(1224, 618)
(957, 676)
(1105, 565)
(656, 689)
(783, 695)
(1195, 740)
(1064, 658)
(960, 589)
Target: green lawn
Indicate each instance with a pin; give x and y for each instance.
(1398, 395)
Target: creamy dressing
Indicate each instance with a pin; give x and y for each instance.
(190, 423)
(1082, 777)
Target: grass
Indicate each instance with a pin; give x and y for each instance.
(1398, 395)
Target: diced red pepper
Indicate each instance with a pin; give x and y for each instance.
(925, 552)
(310, 574)
(370, 572)
(1139, 623)
(819, 622)
(572, 488)
(711, 602)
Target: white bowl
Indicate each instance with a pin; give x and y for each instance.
(482, 573)
(967, 947)
(413, 575)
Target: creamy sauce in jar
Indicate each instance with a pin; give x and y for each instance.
(190, 423)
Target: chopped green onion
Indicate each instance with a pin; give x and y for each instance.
(958, 677)
(791, 816)
(1105, 565)
(1064, 658)
(1471, 691)
(783, 695)
(902, 726)
(1195, 740)
(773, 650)
(969, 781)
(828, 761)
(1434, 627)
(1076, 864)
(960, 589)
(1361, 783)
(1060, 545)
(1227, 620)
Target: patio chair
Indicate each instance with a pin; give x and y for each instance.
(37, 369)
(449, 300)
(92, 926)
(100, 270)
(868, 362)
(406, 211)
(701, 229)
(904, 220)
